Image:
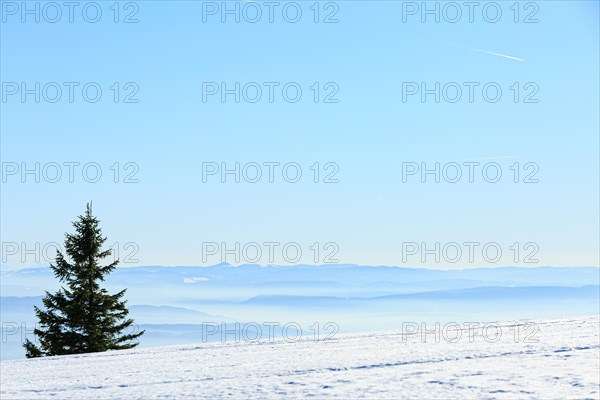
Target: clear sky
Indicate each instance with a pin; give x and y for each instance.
(372, 61)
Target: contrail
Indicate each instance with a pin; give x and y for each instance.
(498, 54)
(487, 52)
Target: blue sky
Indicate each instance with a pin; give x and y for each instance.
(369, 133)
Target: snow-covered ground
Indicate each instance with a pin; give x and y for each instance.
(560, 360)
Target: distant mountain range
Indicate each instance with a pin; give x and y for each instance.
(224, 281)
(174, 303)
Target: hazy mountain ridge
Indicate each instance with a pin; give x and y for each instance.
(173, 303)
(329, 276)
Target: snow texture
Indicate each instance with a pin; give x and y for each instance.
(560, 360)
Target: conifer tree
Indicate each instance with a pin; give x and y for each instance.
(82, 317)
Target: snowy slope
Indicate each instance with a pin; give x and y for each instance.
(563, 363)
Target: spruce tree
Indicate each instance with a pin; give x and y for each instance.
(82, 317)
